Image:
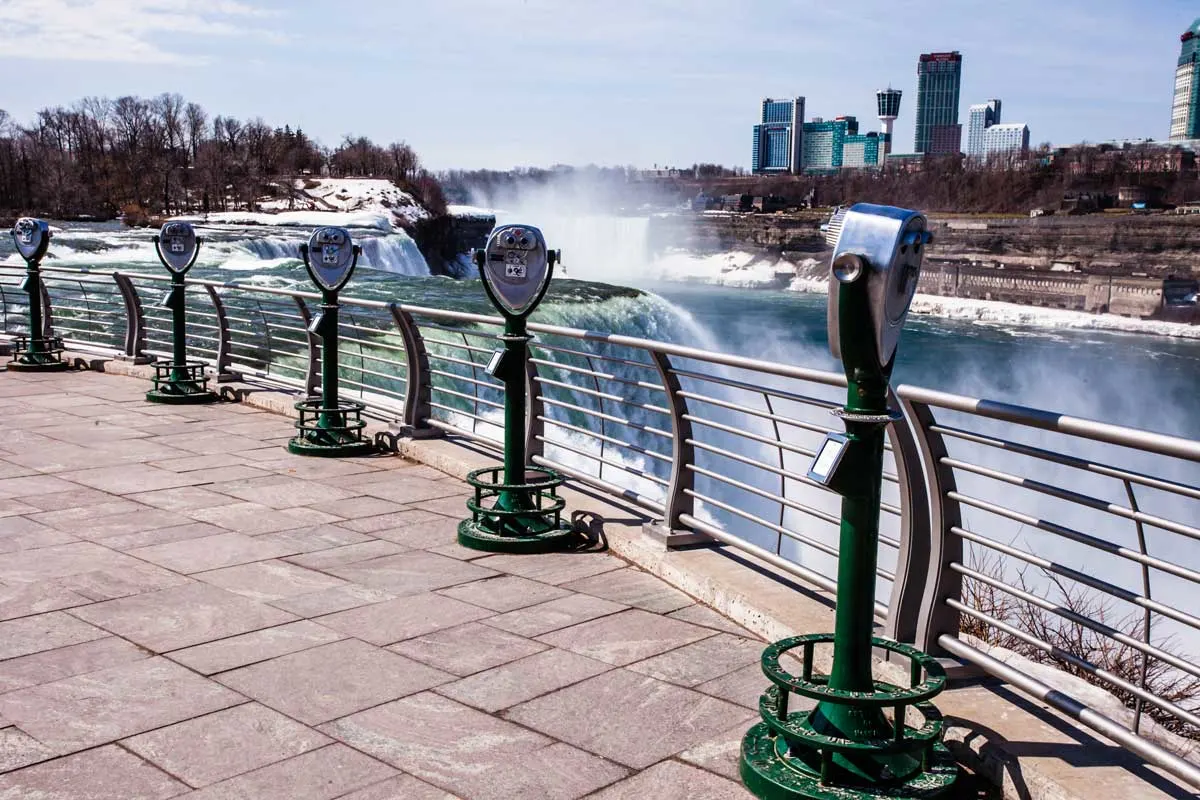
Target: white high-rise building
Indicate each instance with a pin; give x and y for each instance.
(979, 118)
(1006, 139)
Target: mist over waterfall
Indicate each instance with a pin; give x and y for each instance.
(394, 252)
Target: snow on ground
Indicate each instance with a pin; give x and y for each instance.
(738, 269)
(470, 212)
(301, 219)
(370, 195)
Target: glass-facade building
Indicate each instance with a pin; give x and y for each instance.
(1185, 110)
(778, 137)
(825, 141)
(979, 118)
(861, 151)
(939, 78)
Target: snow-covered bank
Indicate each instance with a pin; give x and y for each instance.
(295, 219)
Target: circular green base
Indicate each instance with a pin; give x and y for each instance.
(300, 446)
(473, 535)
(772, 776)
(37, 366)
(186, 398)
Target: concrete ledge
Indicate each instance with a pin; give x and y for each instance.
(1018, 744)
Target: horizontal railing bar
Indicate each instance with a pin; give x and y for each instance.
(459, 345)
(472, 398)
(1149, 481)
(610, 439)
(1140, 746)
(603, 395)
(799, 537)
(1075, 497)
(1078, 663)
(349, 368)
(591, 373)
(1078, 619)
(754, 437)
(781, 394)
(554, 348)
(813, 512)
(1159, 443)
(550, 401)
(473, 365)
(453, 410)
(632, 495)
(774, 559)
(614, 464)
(495, 387)
(1086, 539)
(1081, 577)
(808, 426)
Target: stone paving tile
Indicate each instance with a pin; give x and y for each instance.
(626, 637)
(225, 743)
(21, 637)
(211, 552)
(324, 470)
(406, 489)
(189, 462)
(332, 680)
(18, 749)
(331, 601)
(66, 661)
(667, 718)
(721, 753)
(403, 618)
(254, 518)
(267, 581)
(107, 773)
(33, 485)
(743, 686)
(76, 518)
(522, 680)
(554, 568)
(322, 774)
(110, 583)
(183, 498)
(19, 533)
(130, 479)
(427, 531)
(182, 616)
(471, 753)
(316, 537)
(402, 787)
(390, 521)
(358, 507)
(703, 661)
(554, 614)
(99, 707)
(454, 506)
(350, 554)
(281, 491)
(79, 497)
(208, 442)
(671, 780)
(703, 615)
(412, 573)
(253, 647)
(632, 587)
(468, 649)
(505, 593)
(137, 521)
(178, 533)
(25, 599)
(214, 475)
(13, 508)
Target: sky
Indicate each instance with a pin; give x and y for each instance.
(503, 83)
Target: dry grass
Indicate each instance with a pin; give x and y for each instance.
(1068, 638)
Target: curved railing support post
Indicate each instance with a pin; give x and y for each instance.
(135, 320)
(670, 531)
(418, 382)
(312, 373)
(224, 340)
(535, 429)
(940, 547)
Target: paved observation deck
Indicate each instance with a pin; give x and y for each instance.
(188, 610)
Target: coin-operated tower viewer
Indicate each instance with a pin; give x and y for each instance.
(846, 746)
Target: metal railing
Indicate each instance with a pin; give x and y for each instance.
(1000, 524)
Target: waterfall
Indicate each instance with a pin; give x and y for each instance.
(596, 247)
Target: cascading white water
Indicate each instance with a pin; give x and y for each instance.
(596, 247)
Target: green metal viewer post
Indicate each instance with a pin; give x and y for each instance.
(36, 351)
(847, 747)
(178, 381)
(328, 425)
(520, 513)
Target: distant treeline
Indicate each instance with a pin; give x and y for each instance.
(98, 157)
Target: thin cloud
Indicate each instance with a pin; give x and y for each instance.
(132, 31)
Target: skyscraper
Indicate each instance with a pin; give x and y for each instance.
(888, 101)
(1185, 111)
(979, 119)
(1006, 139)
(939, 76)
(778, 137)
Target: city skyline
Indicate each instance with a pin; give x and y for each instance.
(608, 84)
